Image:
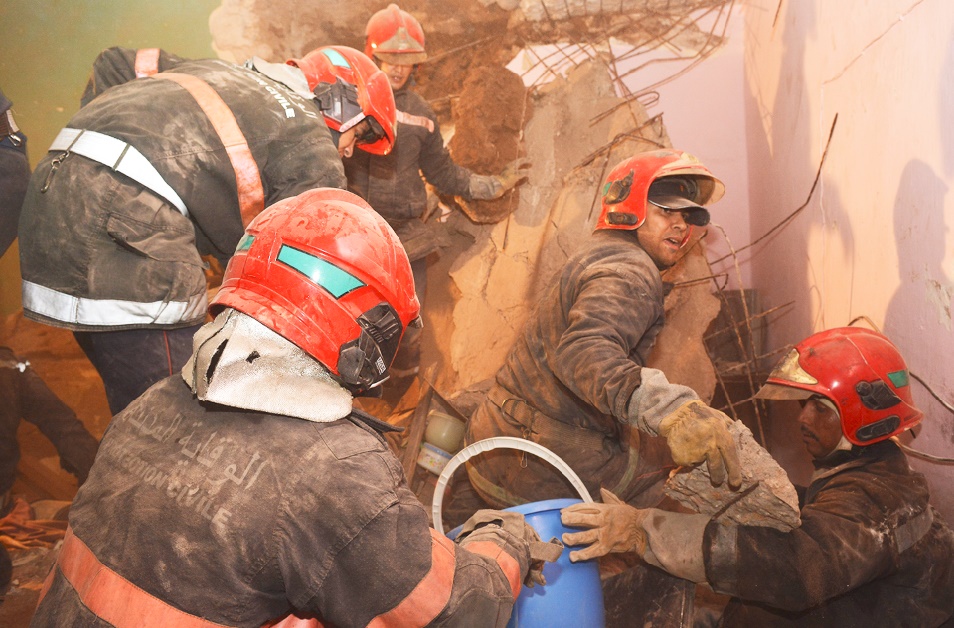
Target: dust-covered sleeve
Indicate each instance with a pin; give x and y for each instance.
(373, 556)
(118, 65)
(611, 311)
(438, 166)
(302, 161)
(839, 546)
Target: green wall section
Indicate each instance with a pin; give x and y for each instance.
(46, 50)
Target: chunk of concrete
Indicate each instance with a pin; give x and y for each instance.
(766, 497)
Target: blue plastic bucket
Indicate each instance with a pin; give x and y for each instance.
(573, 595)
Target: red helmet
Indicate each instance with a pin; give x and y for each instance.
(860, 371)
(668, 178)
(349, 88)
(326, 272)
(394, 36)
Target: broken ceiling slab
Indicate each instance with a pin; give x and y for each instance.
(766, 498)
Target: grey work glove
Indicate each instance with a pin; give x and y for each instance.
(489, 187)
(614, 526)
(696, 432)
(495, 526)
(515, 173)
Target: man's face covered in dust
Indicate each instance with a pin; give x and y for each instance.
(397, 74)
(663, 235)
(820, 426)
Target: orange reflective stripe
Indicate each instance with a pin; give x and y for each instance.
(114, 599)
(294, 621)
(248, 180)
(508, 563)
(431, 594)
(147, 62)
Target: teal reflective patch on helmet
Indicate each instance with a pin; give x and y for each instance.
(336, 281)
(245, 243)
(336, 58)
(899, 378)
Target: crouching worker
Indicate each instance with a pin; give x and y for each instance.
(870, 551)
(253, 489)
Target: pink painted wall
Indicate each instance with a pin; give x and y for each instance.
(875, 239)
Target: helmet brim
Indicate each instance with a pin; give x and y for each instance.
(778, 392)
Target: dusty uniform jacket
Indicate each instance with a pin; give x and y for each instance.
(866, 554)
(570, 374)
(240, 516)
(102, 251)
(392, 184)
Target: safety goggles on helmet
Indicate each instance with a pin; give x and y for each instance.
(674, 194)
(369, 133)
(338, 101)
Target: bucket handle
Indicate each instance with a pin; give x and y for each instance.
(500, 442)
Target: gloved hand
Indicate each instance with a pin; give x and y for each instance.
(515, 173)
(696, 432)
(499, 527)
(615, 526)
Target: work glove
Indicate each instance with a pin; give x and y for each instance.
(489, 187)
(696, 432)
(499, 527)
(515, 173)
(614, 526)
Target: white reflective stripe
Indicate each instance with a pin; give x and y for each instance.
(105, 312)
(407, 118)
(121, 157)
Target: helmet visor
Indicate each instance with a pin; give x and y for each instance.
(675, 194)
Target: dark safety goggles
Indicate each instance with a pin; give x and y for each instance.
(368, 133)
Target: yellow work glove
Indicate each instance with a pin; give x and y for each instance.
(696, 432)
(614, 526)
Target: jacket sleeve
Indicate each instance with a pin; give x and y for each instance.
(439, 168)
(395, 570)
(117, 65)
(839, 546)
(610, 314)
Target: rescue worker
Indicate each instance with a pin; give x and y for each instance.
(155, 173)
(25, 396)
(575, 379)
(248, 487)
(870, 550)
(393, 183)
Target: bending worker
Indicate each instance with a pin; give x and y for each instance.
(152, 174)
(248, 487)
(870, 551)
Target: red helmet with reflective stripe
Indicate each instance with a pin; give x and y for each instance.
(668, 178)
(326, 272)
(349, 88)
(394, 36)
(860, 371)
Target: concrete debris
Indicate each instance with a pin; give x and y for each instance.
(766, 498)
(488, 117)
